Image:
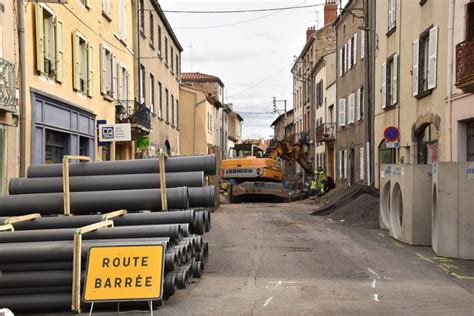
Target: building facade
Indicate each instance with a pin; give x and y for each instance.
(9, 117)
(352, 118)
(234, 126)
(411, 76)
(214, 89)
(198, 122)
(79, 62)
(459, 125)
(324, 74)
(157, 78)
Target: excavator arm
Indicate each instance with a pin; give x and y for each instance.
(289, 152)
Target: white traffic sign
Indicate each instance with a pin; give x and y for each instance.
(115, 132)
(393, 144)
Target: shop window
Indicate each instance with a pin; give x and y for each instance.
(106, 152)
(56, 146)
(84, 146)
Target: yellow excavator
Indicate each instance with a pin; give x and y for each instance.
(256, 172)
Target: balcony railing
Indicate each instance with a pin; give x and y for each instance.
(302, 138)
(135, 113)
(326, 132)
(8, 101)
(465, 65)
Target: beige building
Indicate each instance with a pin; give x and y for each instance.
(198, 121)
(79, 63)
(8, 89)
(459, 125)
(324, 74)
(157, 69)
(411, 74)
(234, 128)
(214, 89)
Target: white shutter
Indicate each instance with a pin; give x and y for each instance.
(362, 44)
(121, 17)
(345, 164)
(103, 73)
(384, 85)
(355, 48)
(395, 79)
(114, 77)
(414, 67)
(358, 105)
(124, 26)
(340, 164)
(349, 55)
(361, 163)
(342, 112)
(351, 108)
(120, 82)
(432, 63)
(340, 62)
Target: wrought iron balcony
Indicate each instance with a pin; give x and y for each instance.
(135, 113)
(326, 132)
(8, 101)
(465, 65)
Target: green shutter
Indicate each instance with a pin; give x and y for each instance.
(76, 61)
(90, 70)
(39, 38)
(59, 51)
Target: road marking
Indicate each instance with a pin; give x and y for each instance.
(463, 277)
(398, 245)
(374, 273)
(382, 235)
(424, 258)
(267, 301)
(373, 283)
(376, 297)
(280, 284)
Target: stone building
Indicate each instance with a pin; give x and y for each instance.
(234, 128)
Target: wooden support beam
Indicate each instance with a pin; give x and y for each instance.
(66, 186)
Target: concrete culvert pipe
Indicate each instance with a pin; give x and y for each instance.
(106, 183)
(173, 231)
(396, 212)
(148, 218)
(88, 202)
(205, 163)
(385, 205)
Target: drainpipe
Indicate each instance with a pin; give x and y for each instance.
(450, 75)
(196, 104)
(22, 86)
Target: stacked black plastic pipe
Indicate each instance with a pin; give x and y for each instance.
(36, 258)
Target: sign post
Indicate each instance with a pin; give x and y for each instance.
(391, 135)
(124, 273)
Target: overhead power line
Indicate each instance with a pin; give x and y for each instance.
(242, 11)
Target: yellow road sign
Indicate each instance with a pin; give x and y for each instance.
(124, 273)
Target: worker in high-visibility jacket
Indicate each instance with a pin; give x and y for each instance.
(313, 187)
(321, 179)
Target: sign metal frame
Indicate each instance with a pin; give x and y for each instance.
(395, 133)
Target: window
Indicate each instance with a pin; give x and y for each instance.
(106, 8)
(123, 78)
(342, 112)
(86, 3)
(142, 84)
(392, 13)
(142, 17)
(319, 93)
(166, 51)
(177, 66)
(123, 20)
(56, 146)
(152, 30)
(390, 82)
(470, 21)
(172, 62)
(172, 110)
(424, 62)
(177, 113)
(83, 67)
(167, 106)
(360, 98)
(427, 145)
(108, 73)
(159, 39)
(152, 93)
(49, 43)
(160, 100)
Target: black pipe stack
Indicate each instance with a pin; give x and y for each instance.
(36, 258)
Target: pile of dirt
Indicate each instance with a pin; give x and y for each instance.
(357, 204)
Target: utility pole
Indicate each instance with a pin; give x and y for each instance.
(276, 110)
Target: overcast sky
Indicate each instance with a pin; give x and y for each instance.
(252, 53)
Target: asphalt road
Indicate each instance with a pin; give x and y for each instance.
(276, 259)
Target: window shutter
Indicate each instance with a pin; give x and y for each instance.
(39, 38)
(59, 51)
(358, 105)
(414, 67)
(340, 164)
(124, 21)
(361, 163)
(90, 70)
(342, 112)
(432, 63)
(349, 55)
(352, 96)
(88, 4)
(345, 164)
(362, 44)
(121, 17)
(114, 77)
(76, 61)
(103, 73)
(384, 85)
(395, 79)
(340, 62)
(355, 48)
(120, 83)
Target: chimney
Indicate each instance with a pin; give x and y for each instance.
(309, 32)
(330, 11)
